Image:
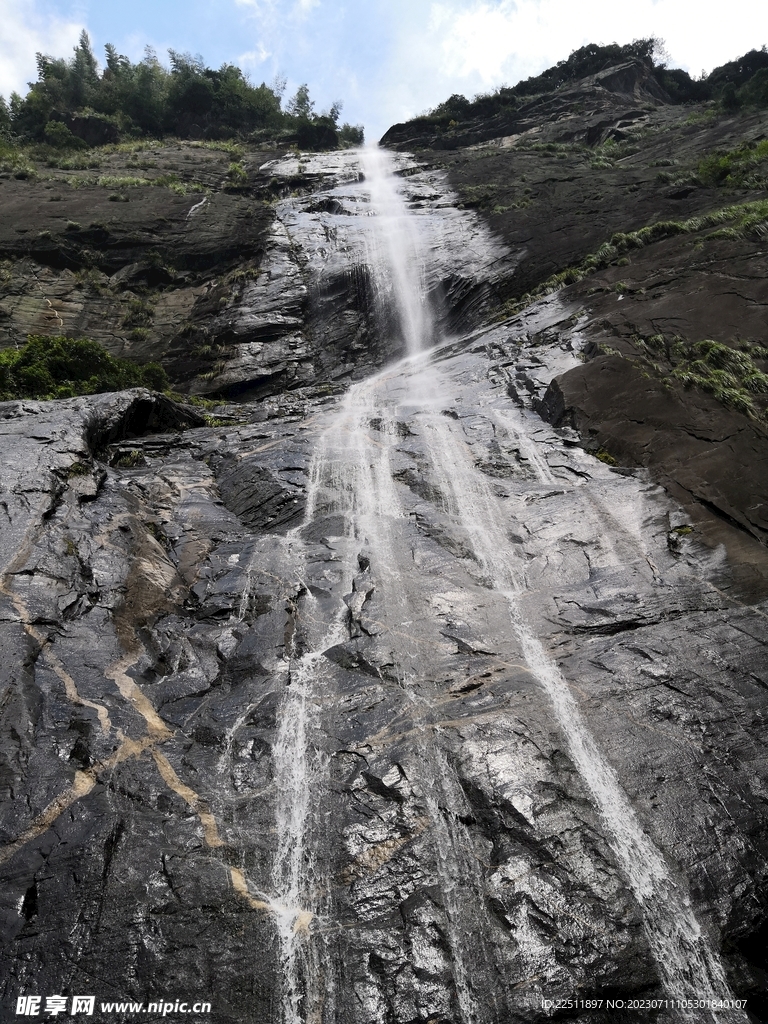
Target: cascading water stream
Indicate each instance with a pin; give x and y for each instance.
(293, 765)
(459, 872)
(352, 478)
(394, 256)
(510, 421)
(296, 892)
(689, 967)
(360, 486)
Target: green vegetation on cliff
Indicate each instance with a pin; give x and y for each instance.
(728, 374)
(743, 167)
(75, 104)
(61, 367)
(734, 221)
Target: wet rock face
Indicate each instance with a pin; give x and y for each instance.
(374, 707)
(553, 197)
(314, 313)
(693, 282)
(701, 449)
(135, 250)
(240, 292)
(258, 751)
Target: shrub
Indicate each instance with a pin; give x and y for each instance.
(606, 457)
(138, 314)
(352, 135)
(729, 375)
(724, 371)
(755, 92)
(737, 167)
(59, 136)
(59, 367)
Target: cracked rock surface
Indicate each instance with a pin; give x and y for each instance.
(185, 634)
(295, 708)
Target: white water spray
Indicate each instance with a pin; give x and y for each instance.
(299, 769)
(297, 765)
(395, 254)
(690, 968)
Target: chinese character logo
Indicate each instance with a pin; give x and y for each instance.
(83, 1004)
(29, 1006)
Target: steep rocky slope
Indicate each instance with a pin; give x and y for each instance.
(201, 273)
(378, 699)
(652, 258)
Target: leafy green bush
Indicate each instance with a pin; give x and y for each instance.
(731, 376)
(755, 92)
(738, 72)
(741, 83)
(727, 372)
(351, 134)
(60, 367)
(60, 137)
(138, 314)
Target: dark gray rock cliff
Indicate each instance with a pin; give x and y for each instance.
(382, 700)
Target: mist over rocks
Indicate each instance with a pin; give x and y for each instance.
(298, 684)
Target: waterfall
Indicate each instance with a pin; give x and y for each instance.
(395, 262)
(297, 891)
(689, 967)
(352, 478)
(360, 486)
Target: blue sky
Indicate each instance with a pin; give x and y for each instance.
(385, 59)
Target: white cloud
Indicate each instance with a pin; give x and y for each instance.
(257, 56)
(26, 31)
(478, 41)
(275, 13)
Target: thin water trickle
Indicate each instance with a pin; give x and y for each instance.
(297, 766)
(245, 595)
(512, 421)
(690, 968)
(462, 884)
